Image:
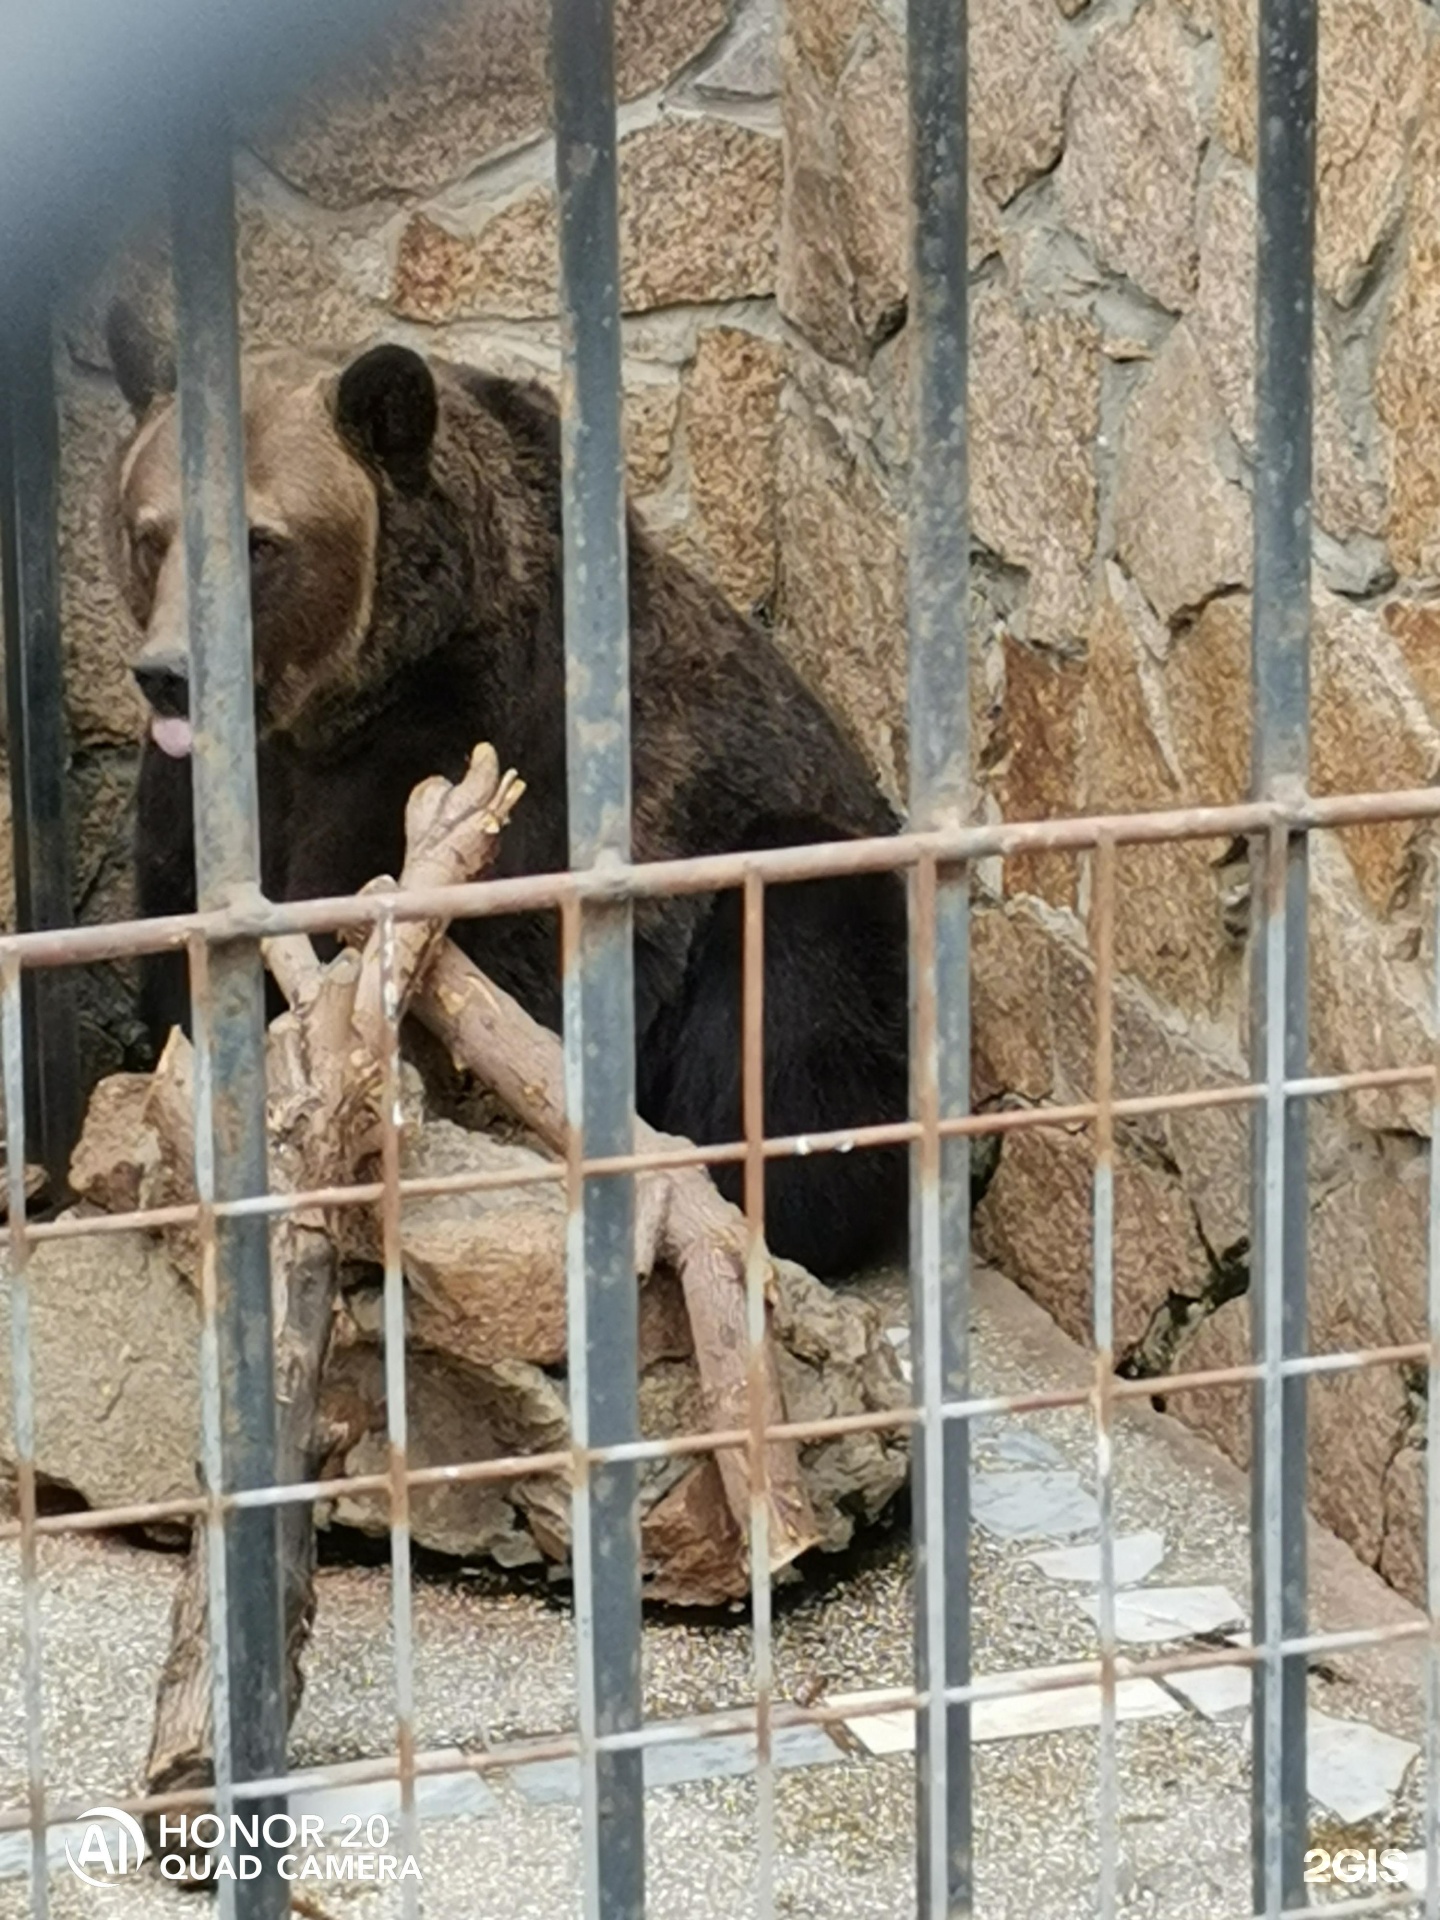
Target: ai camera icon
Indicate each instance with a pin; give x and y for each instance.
(108, 1845)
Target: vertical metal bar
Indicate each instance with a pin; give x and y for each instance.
(36, 734)
(227, 841)
(756, 1276)
(1432, 1476)
(940, 1288)
(1280, 668)
(599, 994)
(939, 732)
(1433, 1481)
(22, 1387)
(1278, 1484)
(396, 1409)
(212, 1420)
(1103, 1224)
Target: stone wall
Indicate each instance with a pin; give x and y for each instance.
(413, 200)
(1112, 240)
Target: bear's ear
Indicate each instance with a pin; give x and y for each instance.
(144, 363)
(386, 408)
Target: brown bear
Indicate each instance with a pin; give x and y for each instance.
(405, 558)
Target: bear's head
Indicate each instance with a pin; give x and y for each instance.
(392, 503)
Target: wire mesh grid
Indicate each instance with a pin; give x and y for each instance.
(233, 1212)
(926, 857)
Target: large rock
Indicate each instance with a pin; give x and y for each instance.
(652, 408)
(1035, 411)
(1039, 776)
(1369, 728)
(103, 706)
(1169, 929)
(1035, 1224)
(843, 260)
(115, 1342)
(832, 1357)
(303, 282)
(1366, 714)
(748, 67)
(1369, 999)
(1414, 624)
(1181, 1181)
(115, 1336)
(1182, 520)
(822, 32)
(1366, 1288)
(1132, 159)
(732, 421)
(1409, 354)
(699, 214)
(455, 1413)
(1348, 499)
(699, 211)
(1013, 1041)
(1372, 57)
(842, 557)
(844, 252)
(421, 109)
(1019, 78)
(1402, 1549)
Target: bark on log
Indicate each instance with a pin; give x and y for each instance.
(182, 1734)
(324, 1077)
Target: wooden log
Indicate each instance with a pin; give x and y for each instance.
(182, 1734)
(451, 835)
(325, 1075)
(303, 1272)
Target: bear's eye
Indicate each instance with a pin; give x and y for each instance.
(265, 546)
(147, 551)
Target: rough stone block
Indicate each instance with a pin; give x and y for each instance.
(1132, 158)
(419, 110)
(732, 420)
(1182, 520)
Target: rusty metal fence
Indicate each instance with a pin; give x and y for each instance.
(241, 1507)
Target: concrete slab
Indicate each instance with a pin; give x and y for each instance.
(1136, 1556)
(1154, 1615)
(1014, 1716)
(1031, 1504)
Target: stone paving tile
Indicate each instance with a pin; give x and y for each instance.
(1148, 1616)
(1214, 1691)
(1013, 1716)
(1026, 1505)
(1354, 1768)
(15, 1849)
(681, 1762)
(1137, 1555)
(1013, 1445)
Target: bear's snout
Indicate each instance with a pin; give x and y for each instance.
(165, 682)
(165, 686)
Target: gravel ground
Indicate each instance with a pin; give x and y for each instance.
(494, 1662)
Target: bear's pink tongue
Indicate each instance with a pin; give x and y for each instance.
(172, 735)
